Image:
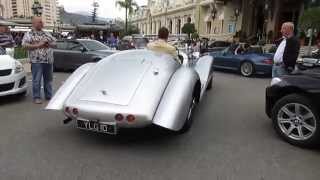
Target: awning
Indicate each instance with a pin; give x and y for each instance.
(20, 29)
(7, 23)
(93, 27)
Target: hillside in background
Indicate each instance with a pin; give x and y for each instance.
(79, 18)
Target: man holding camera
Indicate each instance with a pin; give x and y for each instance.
(39, 45)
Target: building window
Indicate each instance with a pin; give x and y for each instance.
(231, 28)
(179, 27)
(209, 27)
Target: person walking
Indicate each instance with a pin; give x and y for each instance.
(39, 45)
(287, 52)
(112, 41)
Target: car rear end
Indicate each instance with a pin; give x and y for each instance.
(105, 118)
(108, 99)
(263, 64)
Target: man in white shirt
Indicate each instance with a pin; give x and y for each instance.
(287, 52)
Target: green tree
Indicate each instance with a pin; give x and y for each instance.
(189, 28)
(129, 6)
(310, 19)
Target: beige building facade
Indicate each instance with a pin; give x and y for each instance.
(5, 9)
(219, 19)
(170, 13)
(22, 9)
(213, 19)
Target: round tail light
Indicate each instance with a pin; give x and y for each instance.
(131, 118)
(118, 117)
(67, 110)
(75, 111)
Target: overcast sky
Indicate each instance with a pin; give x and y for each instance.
(107, 8)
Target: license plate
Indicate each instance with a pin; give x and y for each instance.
(103, 127)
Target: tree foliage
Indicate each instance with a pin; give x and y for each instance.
(189, 28)
(310, 19)
(130, 6)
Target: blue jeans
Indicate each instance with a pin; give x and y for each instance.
(39, 71)
(278, 71)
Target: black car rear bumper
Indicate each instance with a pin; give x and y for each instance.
(268, 105)
(272, 95)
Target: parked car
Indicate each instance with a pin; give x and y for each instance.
(248, 62)
(293, 104)
(12, 76)
(71, 54)
(132, 42)
(134, 89)
(307, 62)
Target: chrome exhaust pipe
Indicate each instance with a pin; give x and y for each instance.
(66, 121)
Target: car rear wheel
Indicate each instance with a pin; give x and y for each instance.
(297, 121)
(247, 69)
(189, 121)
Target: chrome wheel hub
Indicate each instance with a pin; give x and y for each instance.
(246, 69)
(296, 121)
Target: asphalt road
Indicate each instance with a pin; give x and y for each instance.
(232, 139)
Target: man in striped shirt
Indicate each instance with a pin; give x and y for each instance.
(6, 40)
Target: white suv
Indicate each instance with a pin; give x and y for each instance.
(13, 78)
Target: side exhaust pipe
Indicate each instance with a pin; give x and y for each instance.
(66, 121)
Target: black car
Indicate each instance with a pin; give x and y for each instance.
(293, 104)
(71, 54)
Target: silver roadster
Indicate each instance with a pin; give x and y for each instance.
(134, 89)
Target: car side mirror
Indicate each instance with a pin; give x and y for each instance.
(83, 49)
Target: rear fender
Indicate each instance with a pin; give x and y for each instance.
(174, 106)
(67, 88)
(204, 69)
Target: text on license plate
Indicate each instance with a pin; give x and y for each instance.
(108, 128)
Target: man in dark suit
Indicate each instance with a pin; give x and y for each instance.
(287, 52)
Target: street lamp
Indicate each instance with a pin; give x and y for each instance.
(37, 8)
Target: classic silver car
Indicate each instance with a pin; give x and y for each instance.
(134, 89)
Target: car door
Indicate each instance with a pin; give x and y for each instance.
(226, 60)
(76, 54)
(59, 55)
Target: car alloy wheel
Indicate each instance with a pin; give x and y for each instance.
(247, 69)
(297, 121)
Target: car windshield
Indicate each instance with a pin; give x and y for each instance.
(94, 45)
(141, 42)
